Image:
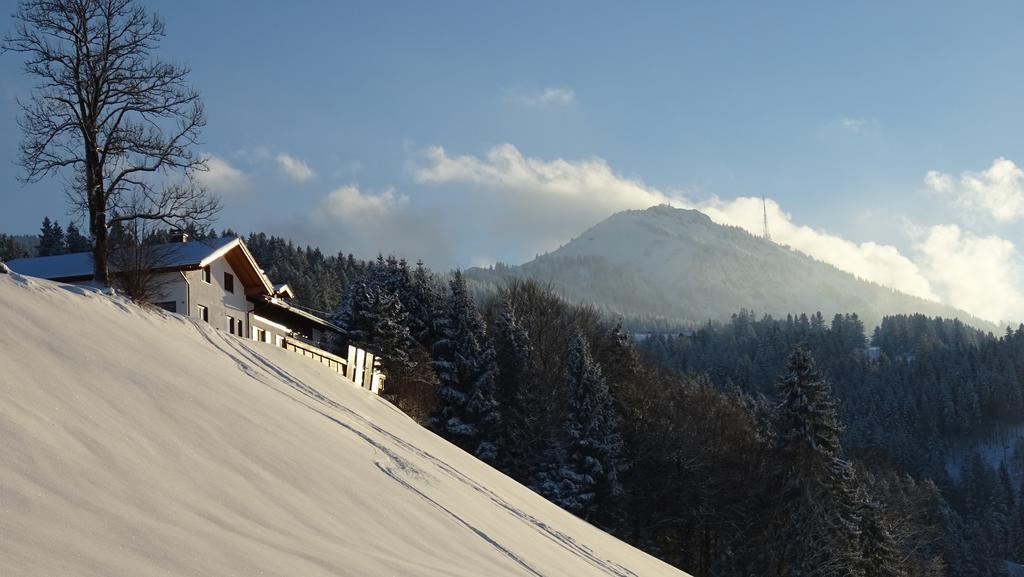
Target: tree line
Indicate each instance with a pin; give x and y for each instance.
(921, 397)
(52, 240)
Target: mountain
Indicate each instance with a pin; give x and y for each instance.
(137, 442)
(678, 265)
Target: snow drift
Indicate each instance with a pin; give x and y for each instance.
(135, 442)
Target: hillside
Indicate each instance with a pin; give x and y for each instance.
(677, 264)
(142, 443)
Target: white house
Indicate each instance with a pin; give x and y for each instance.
(219, 282)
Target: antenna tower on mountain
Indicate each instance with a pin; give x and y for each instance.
(764, 210)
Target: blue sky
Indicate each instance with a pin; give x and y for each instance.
(468, 132)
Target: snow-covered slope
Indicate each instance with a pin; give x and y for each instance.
(678, 264)
(136, 442)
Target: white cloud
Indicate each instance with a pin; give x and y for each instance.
(547, 96)
(979, 274)
(997, 191)
(220, 176)
(505, 169)
(349, 202)
(857, 125)
(556, 199)
(294, 168)
(880, 263)
(368, 223)
(983, 275)
(540, 203)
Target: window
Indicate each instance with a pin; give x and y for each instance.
(204, 313)
(206, 274)
(231, 324)
(229, 282)
(169, 306)
(241, 328)
(261, 335)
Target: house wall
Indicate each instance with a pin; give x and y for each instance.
(174, 290)
(276, 332)
(219, 302)
(187, 296)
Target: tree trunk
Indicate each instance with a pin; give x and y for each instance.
(100, 249)
(97, 216)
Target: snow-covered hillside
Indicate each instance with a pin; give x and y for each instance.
(678, 264)
(141, 443)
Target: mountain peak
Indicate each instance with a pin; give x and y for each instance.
(678, 264)
(669, 214)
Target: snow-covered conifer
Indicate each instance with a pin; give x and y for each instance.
(819, 494)
(75, 241)
(514, 355)
(588, 478)
(808, 417)
(880, 556)
(51, 238)
(374, 319)
(464, 359)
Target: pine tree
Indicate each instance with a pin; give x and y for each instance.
(808, 426)
(818, 498)
(513, 357)
(424, 305)
(880, 556)
(51, 239)
(464, 359)
(374, 319)
(75, 241)
(587, 481)
(621, 366)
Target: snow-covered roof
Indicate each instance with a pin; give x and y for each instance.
(284, 291)
(53, 267)
(296, 310)
(79, 265)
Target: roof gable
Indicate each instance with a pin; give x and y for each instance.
(245, 267)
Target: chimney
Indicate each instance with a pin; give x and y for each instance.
(178, 235)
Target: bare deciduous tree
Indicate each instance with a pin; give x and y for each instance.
(116, 121)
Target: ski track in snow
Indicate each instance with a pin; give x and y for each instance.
(482, 535)
(249, 362)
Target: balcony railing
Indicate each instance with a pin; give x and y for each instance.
(361, 367)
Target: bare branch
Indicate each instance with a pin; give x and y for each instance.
(105, 109)
(176, 205)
